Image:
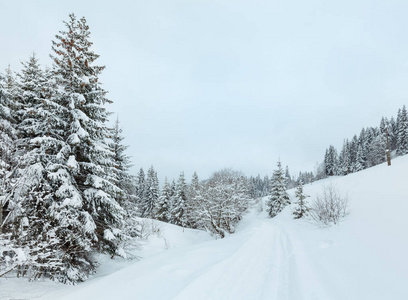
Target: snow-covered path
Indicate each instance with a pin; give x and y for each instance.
(263, 265)
(263, 260)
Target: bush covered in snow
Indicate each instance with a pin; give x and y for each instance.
(222, 201)
(330, 207)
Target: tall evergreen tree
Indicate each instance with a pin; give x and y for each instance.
(362, 150)
(301, 208)
(140, 188)
(192, 202)
(120, 168)
(289, 182)
(86, 132)
(392, 133)
(179, 202)
(57, 230)
(402, 132)
(8, 136)
(330, 161)
(162, 208)
(279, 198)
(151, 193)
(121, 177)
(360, 162)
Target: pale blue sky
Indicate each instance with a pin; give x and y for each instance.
(202, 85)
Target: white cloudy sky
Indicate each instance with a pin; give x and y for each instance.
(206, 84)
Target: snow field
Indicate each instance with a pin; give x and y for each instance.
(365, 257)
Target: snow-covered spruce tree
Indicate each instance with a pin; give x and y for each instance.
(353, 152)
(289, 182)
(8, 136)
(330, 161)
(83, 98)
(392, 134)
(402, 132)
(172, 198)
(279, 198)
(344, 164)
(140, 189)
(192, 203)
(151, 193)
(121, 165)
(301, 208)
(50, 223)
(360, 162)
(362, 150)
(377, 148)
(194, 187)
(162, 208)
(179, 199)
(121, 177)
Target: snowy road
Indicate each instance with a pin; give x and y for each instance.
(262, 266)
(258, 262)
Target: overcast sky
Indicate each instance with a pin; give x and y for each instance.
(205, 84)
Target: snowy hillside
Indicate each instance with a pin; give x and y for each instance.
(281, 258)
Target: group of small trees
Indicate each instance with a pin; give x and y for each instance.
(215, 204)
(64, 174)
(147, 191)
(326, 209)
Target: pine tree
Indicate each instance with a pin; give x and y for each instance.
(360, 162)
(140, 188)
(121, 177)
(83, 98)
(330, 161)
(194, 188)
(192, 203)
(179, 202)
(301, 208)
(353, 153)
(47, 209)
(8, 137)
(151, 193)
(162, 208)
(362, 149)
(371, 134)
(377, 149)
(289, 182)
(402, 132)
(392, 134)
(279, 197)
(172, 198)
(120, 168)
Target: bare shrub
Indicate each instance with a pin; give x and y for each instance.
(329, 207)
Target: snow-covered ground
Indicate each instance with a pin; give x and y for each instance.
(366, 257)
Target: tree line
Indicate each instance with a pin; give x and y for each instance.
(369, 148)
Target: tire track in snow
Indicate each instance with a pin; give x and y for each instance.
(304, 282)
(263, 267)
